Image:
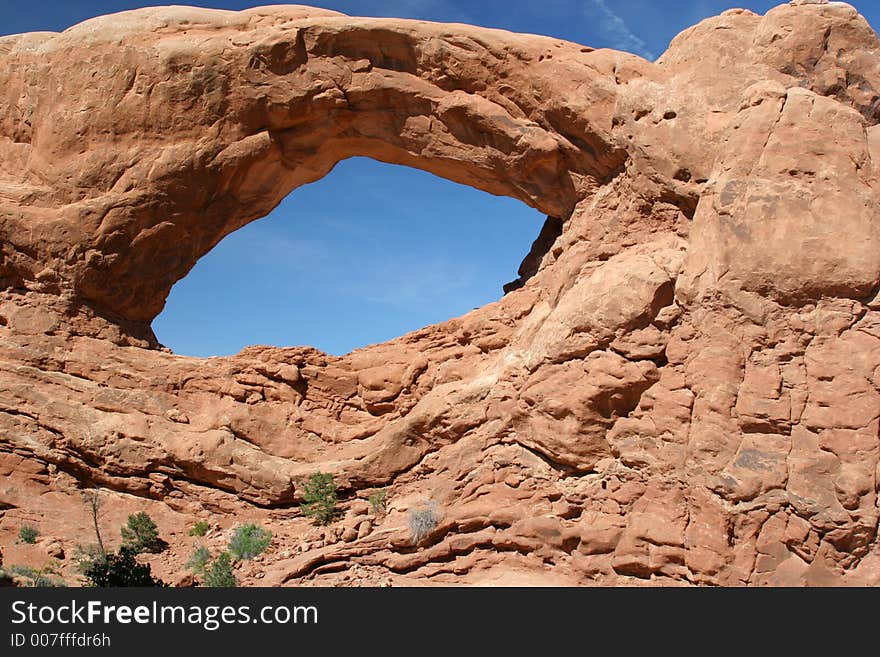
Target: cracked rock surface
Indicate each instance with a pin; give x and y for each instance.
(683, 387)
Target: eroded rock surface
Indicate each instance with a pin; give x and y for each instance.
(684, 388)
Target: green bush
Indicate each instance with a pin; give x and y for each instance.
(378, 501)
(37, 577)
(248, 541)
(120, 569)
(199, 560)
(85, 555)
(28, 533)
(219, 572)
(200, 528)
(141, 535)
(422, 521)
(320, 498)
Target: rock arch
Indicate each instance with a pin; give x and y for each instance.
(200, 121)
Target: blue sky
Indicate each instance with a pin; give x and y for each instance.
(373, 251)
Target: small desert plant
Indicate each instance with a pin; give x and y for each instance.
(200, 528)
(248, 541)
(378, 501)
(199, 560)
(120, 569)
(28, 534)
(320, 498)
(141, 535)
(86, 555)
(422, 521)
(219, 573)
(37, 577)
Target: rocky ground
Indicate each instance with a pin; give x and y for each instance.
(683, 388)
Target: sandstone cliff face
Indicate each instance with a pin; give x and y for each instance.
(686, 389)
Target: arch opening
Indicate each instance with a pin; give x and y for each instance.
(370, 252)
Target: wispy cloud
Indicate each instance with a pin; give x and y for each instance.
(618, 32)
(359, 268)
(412, 284)
(264, 248)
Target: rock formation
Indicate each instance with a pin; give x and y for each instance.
(684, 388)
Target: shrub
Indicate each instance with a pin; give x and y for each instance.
(140, 535)
(422, 521)
(248, 541)
(28, 534)
(120, 569)
(378, 501)
(199, 560)
(37, 577)
(219, 572)
(200, 528)
(86, 555)
(320, 498)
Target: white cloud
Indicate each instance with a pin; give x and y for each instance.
(618, 32)
(413, 283)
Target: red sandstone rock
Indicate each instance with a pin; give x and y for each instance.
(685, 387)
